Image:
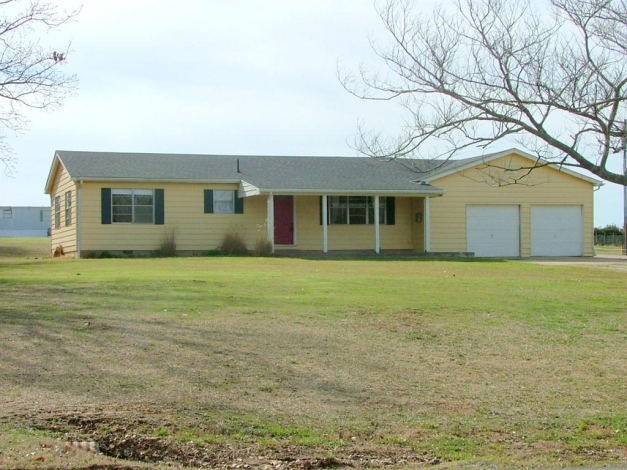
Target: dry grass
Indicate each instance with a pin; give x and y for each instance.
(167, 247)
(263, 247)
(501, 363)
(25, 247)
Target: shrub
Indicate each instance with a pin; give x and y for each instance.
(214, 252)
(263, 247)
(232, 244)
(167, 247)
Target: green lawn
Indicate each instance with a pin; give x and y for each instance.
(608, 249)
(501, 363)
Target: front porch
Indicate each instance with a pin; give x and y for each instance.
(391, 224)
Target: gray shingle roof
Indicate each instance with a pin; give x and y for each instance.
(268, 173)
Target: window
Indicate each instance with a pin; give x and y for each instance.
(223, 202)
(57, 212)
(7, 213)
(41, 216)
(68, 208)
(132, 206)
(355, 210)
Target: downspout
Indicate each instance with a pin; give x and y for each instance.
(325, 224)
(78, 218)
(377, 231)
(270, 219)
(427, 224)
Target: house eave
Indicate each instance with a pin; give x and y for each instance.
(348, 192)
(158, 180)
(53, 169)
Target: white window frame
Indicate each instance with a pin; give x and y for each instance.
(335, 203)
(223, 201)
(136, 214)
(57, 212)
(68, 208)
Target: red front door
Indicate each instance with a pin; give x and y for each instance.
(284, 220)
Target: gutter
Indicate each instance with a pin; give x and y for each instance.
(79, 212)
(361, 192)
(152, 180)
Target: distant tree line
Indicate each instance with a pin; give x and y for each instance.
(611, 229)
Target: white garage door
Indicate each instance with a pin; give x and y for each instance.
(556, 231)
(493, 231)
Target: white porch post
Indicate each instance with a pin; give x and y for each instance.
(377, 232)
(270, 219)
(427, 226)
(325, 225)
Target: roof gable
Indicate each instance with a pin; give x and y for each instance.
(56, 164)
(455, 166)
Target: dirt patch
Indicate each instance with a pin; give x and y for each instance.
(123, 439)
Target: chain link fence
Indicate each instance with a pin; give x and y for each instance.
(611, 239)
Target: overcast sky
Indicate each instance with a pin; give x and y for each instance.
(213, 77)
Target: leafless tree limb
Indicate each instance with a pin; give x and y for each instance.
(484, 71)
(30, 73)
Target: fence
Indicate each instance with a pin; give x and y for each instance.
(615, 239)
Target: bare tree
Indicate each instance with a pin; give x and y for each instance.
(549, 74)
(30, 74)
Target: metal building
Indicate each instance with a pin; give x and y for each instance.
(20, 221)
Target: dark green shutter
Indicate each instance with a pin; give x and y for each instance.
(159, 207)
(390, 210)
(239, 203)
(105, 205)
(320, 210)
(208, 201)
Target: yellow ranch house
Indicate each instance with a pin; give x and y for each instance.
(486, 206)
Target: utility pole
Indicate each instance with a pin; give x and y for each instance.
(624, 187)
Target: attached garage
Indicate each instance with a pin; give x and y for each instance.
(493, 230)
(557, 231)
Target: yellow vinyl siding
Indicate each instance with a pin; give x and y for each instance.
(418, 228)
(307, 228)
(63, 236)
(544, 186)
(196, 231)
(184, 217)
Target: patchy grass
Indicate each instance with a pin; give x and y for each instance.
(36, 247)
(495, 363)
(608, 250)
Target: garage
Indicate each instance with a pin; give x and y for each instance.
(556, 231)
(493, 230)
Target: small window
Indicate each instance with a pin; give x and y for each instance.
(223, 202)
(57, 212)
(132, 206)
(68, 208)
(41, 216)
(7, 213)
